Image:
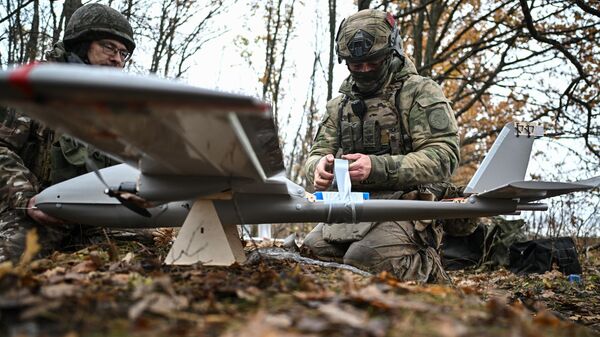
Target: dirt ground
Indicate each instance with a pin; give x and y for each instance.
(122, 289)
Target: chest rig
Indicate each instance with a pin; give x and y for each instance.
(36, 152)
(374, 125)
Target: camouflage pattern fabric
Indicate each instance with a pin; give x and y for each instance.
(58, 53)
(14, 226)
(368, 35)
(14, 129)
(17, 183)
(18, 186)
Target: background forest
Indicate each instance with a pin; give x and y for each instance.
(497, 61)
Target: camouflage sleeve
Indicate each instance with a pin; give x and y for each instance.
(326, 139)
(14, 130)
(17, 183)
(434, 133)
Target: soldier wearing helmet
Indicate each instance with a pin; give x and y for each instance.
(96, 34)
(399, 133)
(33, 156)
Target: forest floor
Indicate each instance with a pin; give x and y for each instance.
(122, 289)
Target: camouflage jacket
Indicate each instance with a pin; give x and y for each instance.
(426, 118)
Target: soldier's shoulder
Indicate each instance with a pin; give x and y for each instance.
(333, 105)
(335, 102)
(421, 86)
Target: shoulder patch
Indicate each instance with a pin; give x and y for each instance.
(438, 119)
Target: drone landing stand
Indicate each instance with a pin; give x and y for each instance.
(203, 238)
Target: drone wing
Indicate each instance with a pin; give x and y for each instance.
(528, 191)
(162, 127)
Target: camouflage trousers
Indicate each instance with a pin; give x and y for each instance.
(393, 246)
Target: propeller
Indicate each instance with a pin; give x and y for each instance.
(124, 193)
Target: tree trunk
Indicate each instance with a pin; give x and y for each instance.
(363, 4)
(332, 28)
(32, 42)
(69, 8)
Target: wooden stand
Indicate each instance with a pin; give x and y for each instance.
(204, 239)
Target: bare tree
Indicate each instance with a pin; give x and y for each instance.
(332, 31)
(303, 140)
(279, 26)
(179, 31)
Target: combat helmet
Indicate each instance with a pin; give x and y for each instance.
(368, 35)
(96, 21)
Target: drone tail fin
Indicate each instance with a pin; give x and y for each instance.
(508, 158)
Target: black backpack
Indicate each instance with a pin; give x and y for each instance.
(537, 256)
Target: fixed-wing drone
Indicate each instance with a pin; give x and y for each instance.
(211, 160)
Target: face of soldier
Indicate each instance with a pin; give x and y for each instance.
(108, 52)
(364, 67)
(369, 76)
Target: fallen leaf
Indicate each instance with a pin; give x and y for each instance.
(5, 268)
(280, 321)
(32, 247)
(448, 327)
(164, 237)
(58, 290)
(51, 273)
(159, 304)
(321, 295)
(347, 316)
(545, 318)
(312, 324)
(120, 279)
(85, 267)
(40, 309)
(374, 296)
(128, 258)
(438, 290)
(259, 326)
(249, 294)
(548, 294)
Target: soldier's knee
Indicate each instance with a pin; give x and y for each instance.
(317, 246)
(314, 237)
(362, 256)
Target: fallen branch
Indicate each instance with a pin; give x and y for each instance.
(589, 248)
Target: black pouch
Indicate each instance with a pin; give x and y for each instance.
(371, 136)
(352, 140)
(359, 108)
(537, 256)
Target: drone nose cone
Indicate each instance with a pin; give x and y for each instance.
(49, 195)
(87, 188)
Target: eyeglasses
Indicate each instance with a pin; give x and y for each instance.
(110, 50)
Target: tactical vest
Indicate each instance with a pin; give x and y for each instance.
(68, 157)
(374, 125)
(36, 153)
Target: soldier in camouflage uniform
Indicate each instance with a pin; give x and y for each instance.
(399, 133)
(33, 157)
